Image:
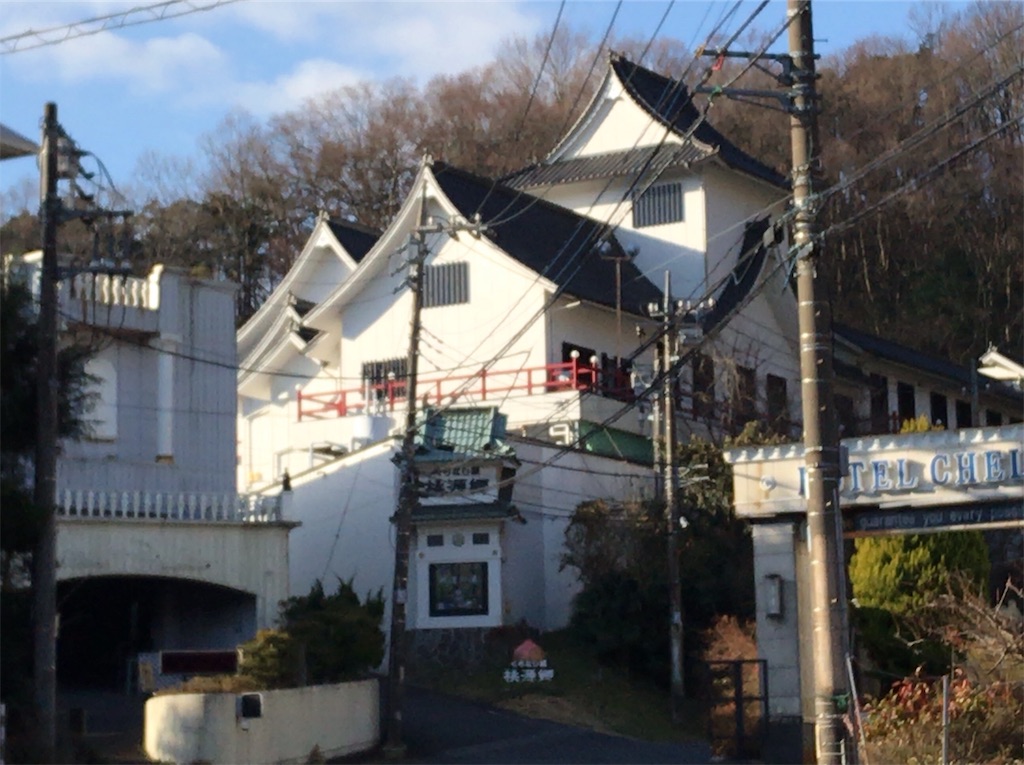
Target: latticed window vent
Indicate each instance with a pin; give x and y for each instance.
(658, 205)
(445, 284)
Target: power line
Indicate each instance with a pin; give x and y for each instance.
(38, 38)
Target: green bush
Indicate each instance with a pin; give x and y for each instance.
(893, 577)
(322, 639)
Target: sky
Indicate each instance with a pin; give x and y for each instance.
(161, 86)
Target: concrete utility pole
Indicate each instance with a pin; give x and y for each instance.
(665, 459)
(821, 443)
(408, 489)
(675, 599)
(44, 496)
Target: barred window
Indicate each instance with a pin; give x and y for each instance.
(658, 205)
(445, 284)
(377, 375)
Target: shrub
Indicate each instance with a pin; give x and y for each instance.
(984, 722)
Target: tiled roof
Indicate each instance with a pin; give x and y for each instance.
(901, 354)
(455, 434)
(550, 240)
(356, 239)
(475, 511)
(615, 164)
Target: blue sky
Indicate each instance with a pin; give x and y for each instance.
(162, 85)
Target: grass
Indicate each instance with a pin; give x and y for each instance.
(583, 692)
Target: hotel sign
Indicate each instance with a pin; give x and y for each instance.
(918, 470)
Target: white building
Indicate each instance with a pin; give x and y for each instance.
(535, 319)
(156, 552)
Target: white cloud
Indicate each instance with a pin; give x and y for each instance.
(152, 66)
(292, 89)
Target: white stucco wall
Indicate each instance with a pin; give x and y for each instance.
(341, 719)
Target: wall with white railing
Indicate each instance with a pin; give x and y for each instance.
(250, 557)
(338, 720)
(191, 506)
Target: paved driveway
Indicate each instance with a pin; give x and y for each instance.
(444, 729)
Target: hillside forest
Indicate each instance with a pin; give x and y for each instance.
(922, 197)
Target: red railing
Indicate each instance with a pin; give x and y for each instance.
(487, 384)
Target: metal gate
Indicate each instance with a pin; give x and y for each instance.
(738, 706)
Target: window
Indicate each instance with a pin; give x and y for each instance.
(744, 398)
(658, 205)
(377, 374)
(703, 386)
(481, 538)
(435, 540)
(993, 419)
(879, 386)
(778, 403)
(445, 284)
(458, 589)
(964, 419)
(846, 418)
(940, 410)
(102, 417)
(906, 407)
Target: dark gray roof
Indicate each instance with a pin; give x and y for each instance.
(550, 240)
(14, 144)
(926, 362)
(669, 102)
(742, 278)
(356, 239)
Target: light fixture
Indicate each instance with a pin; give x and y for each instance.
(773, 602)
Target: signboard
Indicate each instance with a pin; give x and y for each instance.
(895, 475)
(873, 522)
(459, 484)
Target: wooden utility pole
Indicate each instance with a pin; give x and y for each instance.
(409, 482)
(44, 557)
(821, 443)
(406, 498)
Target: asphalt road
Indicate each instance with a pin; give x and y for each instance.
(445, 729)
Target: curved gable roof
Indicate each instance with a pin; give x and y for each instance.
(548, 239)
(665, 100)
(669, 102)
(356, 239)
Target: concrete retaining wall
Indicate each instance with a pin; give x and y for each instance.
(339, 719)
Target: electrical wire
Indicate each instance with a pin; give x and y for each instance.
(97, 24)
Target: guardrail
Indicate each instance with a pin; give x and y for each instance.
(477, 387)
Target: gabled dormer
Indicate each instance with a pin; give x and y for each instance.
(642, 158)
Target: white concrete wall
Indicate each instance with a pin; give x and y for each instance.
(340, 719)
(249, 557)
(778, 637)
(181, 384)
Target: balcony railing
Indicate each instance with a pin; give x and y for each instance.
(185, 507)
(487, 384)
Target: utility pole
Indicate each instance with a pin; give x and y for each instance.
(671, 499)
(406, 498)
(826, 573)
(821, 443)
(44, 557)
(409, 483)
(665, 459)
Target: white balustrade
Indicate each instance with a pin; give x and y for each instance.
(164, 506)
